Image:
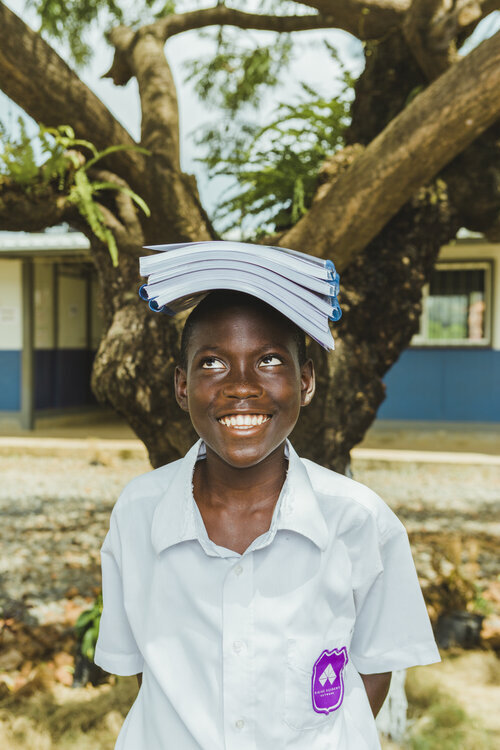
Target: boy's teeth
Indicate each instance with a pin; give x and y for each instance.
(243, 420)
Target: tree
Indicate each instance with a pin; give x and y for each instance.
(421, 158)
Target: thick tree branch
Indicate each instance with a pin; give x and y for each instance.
(462, 18)
(365, 19)
(438, 124)
(142, 54)
(434, 52)
(34, 210)
(168, 192)
(221, 15)
(58, 96)
(433, 30)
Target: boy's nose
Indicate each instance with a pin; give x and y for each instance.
(242, 385)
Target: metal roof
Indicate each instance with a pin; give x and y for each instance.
(27, 244)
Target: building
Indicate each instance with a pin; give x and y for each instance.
(451, 371)
(49, 325)
(50, 330)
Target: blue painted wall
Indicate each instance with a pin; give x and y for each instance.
(62, 378)
(10, 380)
(459, 385)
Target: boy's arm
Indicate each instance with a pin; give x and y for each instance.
(139, 679)
(377, 687)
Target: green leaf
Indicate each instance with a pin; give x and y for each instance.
(98, 186)
(85, 618)
(113, 150)
(88, 644)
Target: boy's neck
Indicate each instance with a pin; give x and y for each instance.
(217, 485)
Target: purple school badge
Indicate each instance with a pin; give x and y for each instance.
(328, 680)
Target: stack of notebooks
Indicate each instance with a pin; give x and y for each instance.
(300, 286)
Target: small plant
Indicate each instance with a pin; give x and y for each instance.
(87, 628)
(31, 162)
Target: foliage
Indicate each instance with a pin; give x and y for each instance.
(237, 75)
(18, 157)
(62, 159)
(87, 628)
(276, 167)
(68, 20)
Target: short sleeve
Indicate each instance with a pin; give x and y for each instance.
(392, 629)
(116, 650)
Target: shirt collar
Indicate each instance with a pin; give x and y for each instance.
(175, 520)
(300, 511)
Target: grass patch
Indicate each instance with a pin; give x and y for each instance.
(437, 721)
(80, 719)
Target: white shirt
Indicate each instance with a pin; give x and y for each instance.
(259, 651)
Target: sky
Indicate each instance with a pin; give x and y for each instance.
(312, 64)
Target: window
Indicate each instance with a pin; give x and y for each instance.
(456, 306)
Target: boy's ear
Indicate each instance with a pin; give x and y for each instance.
(307, 383)
(180, 384)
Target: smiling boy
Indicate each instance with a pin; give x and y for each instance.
(264, 599)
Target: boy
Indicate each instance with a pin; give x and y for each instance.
(264, 599)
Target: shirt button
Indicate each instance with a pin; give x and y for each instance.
(238, 646)
(238, 570)
(239, 724)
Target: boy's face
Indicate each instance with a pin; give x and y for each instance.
(243, 385)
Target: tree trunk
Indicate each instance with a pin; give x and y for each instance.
(381, 299)
(373, 215)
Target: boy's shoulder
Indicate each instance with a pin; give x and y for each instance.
(147, 489)
(341, 496)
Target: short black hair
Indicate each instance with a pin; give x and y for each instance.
(222, 298)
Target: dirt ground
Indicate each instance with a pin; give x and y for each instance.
(55, 511)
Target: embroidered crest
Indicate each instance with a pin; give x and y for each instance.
(328, 680)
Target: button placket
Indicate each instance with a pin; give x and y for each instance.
(237, 644)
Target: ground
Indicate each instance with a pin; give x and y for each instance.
(55, 506)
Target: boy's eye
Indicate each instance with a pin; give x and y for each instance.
(270, 360)
(212, 363)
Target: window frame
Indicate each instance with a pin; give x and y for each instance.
(420, 339)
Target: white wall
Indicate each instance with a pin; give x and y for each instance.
(11, 332)
(462, 250)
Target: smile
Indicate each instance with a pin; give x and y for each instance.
(243, 421)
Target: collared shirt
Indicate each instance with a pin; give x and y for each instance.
(264, 650)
